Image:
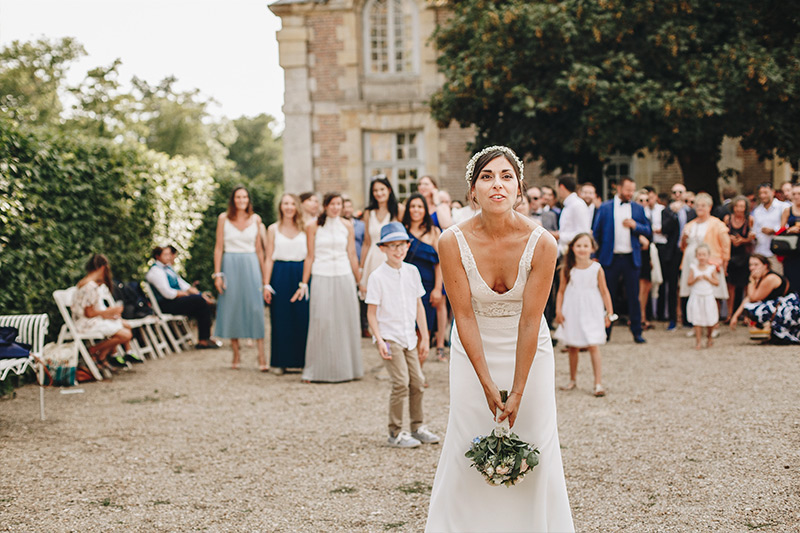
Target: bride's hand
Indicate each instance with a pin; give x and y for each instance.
(493, 399)
(511, 409)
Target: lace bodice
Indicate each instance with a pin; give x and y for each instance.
(485, 301)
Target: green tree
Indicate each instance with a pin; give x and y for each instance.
(573, 81)
(31, 74)
(257, 150)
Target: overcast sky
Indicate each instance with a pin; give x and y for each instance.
(225, 48)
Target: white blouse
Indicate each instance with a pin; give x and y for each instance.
(287, 249)
(240, 241)
(330, 249)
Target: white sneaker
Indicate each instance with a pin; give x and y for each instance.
(425, 436)
(403, 440)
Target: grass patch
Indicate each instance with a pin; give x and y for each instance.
(344, 490)
(106, 502)
(393, 525)
(416, 487)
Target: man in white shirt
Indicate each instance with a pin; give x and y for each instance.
(176, 296)
(575, 216)
(766, 221)
(617, 227)
(588, 192)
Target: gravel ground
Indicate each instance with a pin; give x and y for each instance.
(684, 441)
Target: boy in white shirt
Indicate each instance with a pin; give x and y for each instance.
(394, 292)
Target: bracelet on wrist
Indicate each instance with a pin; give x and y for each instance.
(302, 285)
(216, 275)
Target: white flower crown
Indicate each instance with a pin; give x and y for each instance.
(505, 149)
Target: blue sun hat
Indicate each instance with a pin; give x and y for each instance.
(393, 232)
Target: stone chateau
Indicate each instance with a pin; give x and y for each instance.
(358, 74)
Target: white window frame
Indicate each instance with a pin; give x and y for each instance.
(392, 167)
(411, 35)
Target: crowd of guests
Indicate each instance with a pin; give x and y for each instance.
(654, 257)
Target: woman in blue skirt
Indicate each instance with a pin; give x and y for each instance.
(286, 252)
(423, 253)
(240, 276)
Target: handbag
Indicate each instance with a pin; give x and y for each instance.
(9, 349)
(62, 362)
(784, 244)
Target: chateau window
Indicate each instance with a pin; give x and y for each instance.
(390, 36)
(398, 155)
(617, 167)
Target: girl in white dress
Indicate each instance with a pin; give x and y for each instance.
(701, 309)
(583, 308)
(498, 268)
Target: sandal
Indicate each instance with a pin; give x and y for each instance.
(569, 386)
(440, 354)
(599, 391)
(264, 368)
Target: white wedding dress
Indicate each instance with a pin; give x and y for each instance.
(461, 500)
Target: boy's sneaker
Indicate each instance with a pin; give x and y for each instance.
(403, 440)
(425, 436)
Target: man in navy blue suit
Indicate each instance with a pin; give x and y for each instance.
(617, 226)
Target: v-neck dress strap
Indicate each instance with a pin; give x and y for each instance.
(485, 301)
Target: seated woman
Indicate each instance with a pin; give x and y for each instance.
(176, 296)
(766, 302)
(90, 313)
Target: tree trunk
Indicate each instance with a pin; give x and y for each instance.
(700, 172)
(589, 168)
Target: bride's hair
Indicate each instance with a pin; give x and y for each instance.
(569, 259)
(484, 160)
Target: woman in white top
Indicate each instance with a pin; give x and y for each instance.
(286, 253)
(382, 209)
(240, 276)
(333, 349)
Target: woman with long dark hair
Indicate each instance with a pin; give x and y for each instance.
(333, 349)
(498, 267)
(423, 253)
(90, 313)
(240, 276)
(286, 253)
(382, 209)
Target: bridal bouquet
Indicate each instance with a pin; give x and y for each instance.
(501, 457)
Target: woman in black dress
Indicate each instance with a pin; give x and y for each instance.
(740, 224)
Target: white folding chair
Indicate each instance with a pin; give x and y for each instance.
(153, 344)
(63, 298)
(31, 329)
(180, 340)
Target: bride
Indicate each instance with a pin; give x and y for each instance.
(497, 269)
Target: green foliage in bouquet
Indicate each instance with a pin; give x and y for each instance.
(501, 457)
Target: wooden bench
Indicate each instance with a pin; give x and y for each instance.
(32, 330)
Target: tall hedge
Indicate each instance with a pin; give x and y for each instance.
(63, 198)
